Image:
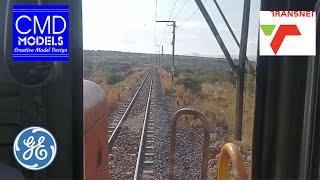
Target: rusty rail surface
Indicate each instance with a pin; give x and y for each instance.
(116, 130)
(231, 152)
(139, 165)
(205, 156)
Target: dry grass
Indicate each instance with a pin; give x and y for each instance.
(217, 101)
(115, 91)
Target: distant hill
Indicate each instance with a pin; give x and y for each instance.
(111, 59)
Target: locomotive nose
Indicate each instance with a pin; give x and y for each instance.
(95, 131)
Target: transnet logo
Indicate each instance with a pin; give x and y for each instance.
(283, 31)
(286, 33)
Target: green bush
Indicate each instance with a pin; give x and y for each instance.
(114, 78)
(190, 82)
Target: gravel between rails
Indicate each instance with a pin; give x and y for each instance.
(188, 156)
(189, 141)
(123, 154)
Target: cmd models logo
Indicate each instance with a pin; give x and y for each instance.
(40, 33)
(287, 33)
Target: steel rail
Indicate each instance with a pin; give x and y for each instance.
(115, 131)
(139, 166)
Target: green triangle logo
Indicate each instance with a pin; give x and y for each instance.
(267, 29)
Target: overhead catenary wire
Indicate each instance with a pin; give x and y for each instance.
(165, 33)
(165, 30)
(191, 15)
(179, 11)
(174, 6)
(186, 20)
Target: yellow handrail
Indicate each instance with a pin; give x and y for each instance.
(231, 152)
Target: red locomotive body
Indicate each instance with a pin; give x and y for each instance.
(95, 132)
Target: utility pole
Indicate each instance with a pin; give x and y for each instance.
(161, 56)
(94, 66)
(158, 54)
(242, 59)
(156, 57)
(173, 46)
(239, 69)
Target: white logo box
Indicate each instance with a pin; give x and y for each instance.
(292, 45)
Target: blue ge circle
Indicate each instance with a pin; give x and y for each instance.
(35, 148)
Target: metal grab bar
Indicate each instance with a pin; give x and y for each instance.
(231, 152)
(205, 156)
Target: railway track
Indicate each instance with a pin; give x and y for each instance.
(115, 125)
(145, 161)
(131, 142)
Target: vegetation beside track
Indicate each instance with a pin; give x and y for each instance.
(115, 75)
(114, 91)
(214, 93)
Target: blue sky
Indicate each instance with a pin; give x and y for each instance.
(129, 25)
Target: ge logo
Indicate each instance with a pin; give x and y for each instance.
(35, 148)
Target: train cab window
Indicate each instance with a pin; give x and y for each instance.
(164, 75)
